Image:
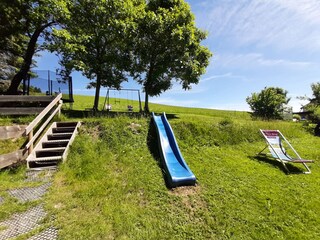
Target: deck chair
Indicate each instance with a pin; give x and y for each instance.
(273, 139)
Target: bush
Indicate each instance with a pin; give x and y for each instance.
(4, 85)
(269, 103)
(297, 117)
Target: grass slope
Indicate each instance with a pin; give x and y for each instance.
(112, 185)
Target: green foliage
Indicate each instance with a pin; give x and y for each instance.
(11, 145)
(4, 85)
(112, 187)
(297, 117)
(315, 87)
(12, 39)
(95, 40)
(168, 47)
(269, 103)
(314, 103)
(25, 22)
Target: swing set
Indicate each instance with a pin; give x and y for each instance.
(117, 98)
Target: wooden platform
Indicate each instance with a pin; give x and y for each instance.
(23, 105)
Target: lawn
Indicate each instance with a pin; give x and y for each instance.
(112, 185)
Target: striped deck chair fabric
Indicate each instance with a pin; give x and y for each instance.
(274, 140)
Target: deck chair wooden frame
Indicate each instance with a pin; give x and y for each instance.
(273, 139)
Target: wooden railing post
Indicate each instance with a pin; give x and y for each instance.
(30, 136)
(59, 112)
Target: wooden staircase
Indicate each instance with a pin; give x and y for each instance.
(53, 146)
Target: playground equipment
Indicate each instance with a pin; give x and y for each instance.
(274, 140)
(117, 99)
(50, 83)
(177, 170)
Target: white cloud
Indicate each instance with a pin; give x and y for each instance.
(296, 104)
(174, 102)
(256, 59)
(286, 24)
(231, 106)
(226, 75)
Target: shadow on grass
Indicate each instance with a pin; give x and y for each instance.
(264, 158)
(111, 114)
(154, 149)
(168, 115)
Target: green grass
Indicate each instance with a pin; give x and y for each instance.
(111, 186)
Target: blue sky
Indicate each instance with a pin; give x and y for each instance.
(255, 44)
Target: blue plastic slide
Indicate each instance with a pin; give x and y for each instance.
(177, 170)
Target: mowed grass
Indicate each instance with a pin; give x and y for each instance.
(112, 185)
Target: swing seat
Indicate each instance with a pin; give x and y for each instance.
(273, 139)
(108, 107)
(130, 108)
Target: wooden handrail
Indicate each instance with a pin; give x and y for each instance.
(42, 114)
(35, 136)
(29, 130)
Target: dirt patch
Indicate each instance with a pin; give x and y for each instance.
(135, 128)
(93, 131)
(190, 198)
(185, 190)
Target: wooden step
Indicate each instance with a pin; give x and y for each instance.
(67, 124)
(53, 147)
(55, 144)
(50, 152)
(59, 136)
(44, 163)
(63, 130)
(45, 159)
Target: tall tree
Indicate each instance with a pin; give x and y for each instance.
(32, 19)
(269, 103)
(168, 48)
(12, 38)
(95, 40)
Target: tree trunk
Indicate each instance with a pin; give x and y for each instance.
(147, 85)
(96, 98)
(27, 61)
(146, 102)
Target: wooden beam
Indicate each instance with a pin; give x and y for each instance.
(9, 159)
(22, 98)
(20, 110)
(15, 131)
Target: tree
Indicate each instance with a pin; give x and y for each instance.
(95, 40)
(168, 47)
(314, 103)
(31, 19)
(12, 39)
(269, 103)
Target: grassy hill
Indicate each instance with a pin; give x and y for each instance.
(112, 185)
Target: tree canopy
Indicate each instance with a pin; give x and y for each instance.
(155, 41)
(168, 48)
(12, 38)
(24, 22)
(269, 103)
(95, 40)
(314, 102)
